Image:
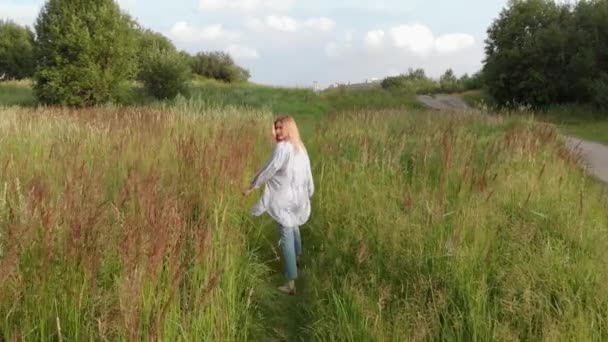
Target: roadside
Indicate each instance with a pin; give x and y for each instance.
(594, 154)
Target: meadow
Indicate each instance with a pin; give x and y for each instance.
(580, 120)
(127, 223)
(17, 93)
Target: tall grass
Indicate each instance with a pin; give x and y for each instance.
(433, 227)
(580, 120)
(479, 99)
(276, 99)
(375, 97)
(120, 224)
(127, 224)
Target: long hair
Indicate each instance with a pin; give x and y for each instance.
(290, 131)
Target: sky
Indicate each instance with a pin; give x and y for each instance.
(298, 42)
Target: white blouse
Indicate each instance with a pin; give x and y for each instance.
(289, 186)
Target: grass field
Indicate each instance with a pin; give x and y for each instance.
(210, 93)
(16, 93)
(128, 224)
(580, 121)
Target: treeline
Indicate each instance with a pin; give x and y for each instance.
(417, 81)
(539, 52)
(87, 52)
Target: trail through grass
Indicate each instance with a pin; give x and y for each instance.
(128, 224)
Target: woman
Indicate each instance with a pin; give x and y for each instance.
(288, 188)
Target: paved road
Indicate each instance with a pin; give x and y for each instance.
(443, 102)
(594, 154)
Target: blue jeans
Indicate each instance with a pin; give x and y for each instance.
(291, 246)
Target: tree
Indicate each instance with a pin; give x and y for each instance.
(16, 51)
(414, 78)
(540, 52)
(166, 74)
(587, 70)
(218, 65)
(527, 53)
(472, 82)
(416, 74)
(149, 43)
(448, 82)
(84, 50)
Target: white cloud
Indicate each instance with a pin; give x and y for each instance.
(242, 52)
(21, 14)
(417, 39)
(255, 24)
(126, 3)
(322, 24)
(383, 52)
(26, 14)
(348, 36)
(340, 46)
(333, 50)
(182, 31)
(284, 23)
(374, 39)
(453, 42)
(245, 5)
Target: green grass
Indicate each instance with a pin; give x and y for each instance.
(478, 99)
(594, 131)
(581, 121)
(210, 93)
(276, 99)
(430, 227)
(122, 224)
(16, 93)
(299, 102)
(128, 224)
(372, 98)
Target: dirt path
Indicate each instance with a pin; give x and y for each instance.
(594, 154)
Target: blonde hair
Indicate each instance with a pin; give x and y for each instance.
(290, 131)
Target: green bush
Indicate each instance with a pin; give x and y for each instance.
(84, 50)
(449, 83)
(16, 51)
(148, 43)
(600, 91)
(218, 65)
(166, 75)
(416, 81)
(408, 80)
(474, 82)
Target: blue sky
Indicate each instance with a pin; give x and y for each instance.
(296, 42)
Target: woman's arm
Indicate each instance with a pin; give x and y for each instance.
(311, 183)
(276, 161)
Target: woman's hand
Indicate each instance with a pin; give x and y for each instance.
(247, 192)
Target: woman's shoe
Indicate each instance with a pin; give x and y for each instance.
(289, 288)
